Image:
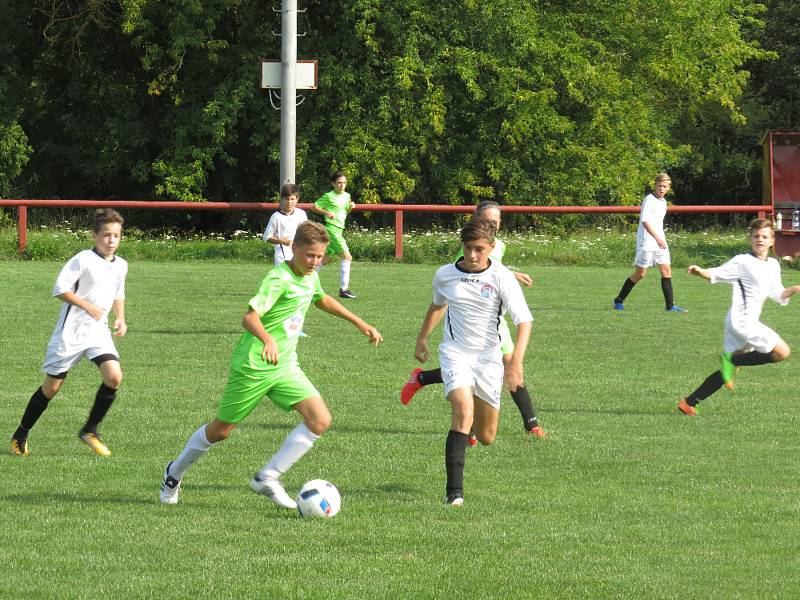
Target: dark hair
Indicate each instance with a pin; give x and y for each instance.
(106, 215)
(311, 232)
(478, 229)
(484, 206)
(290, 189)
(757, 224)
(338, 174)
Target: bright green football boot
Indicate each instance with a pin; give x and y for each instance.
(727, 369)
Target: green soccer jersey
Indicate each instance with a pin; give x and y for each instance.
(497, 252)
(338, 204)
(281, 302)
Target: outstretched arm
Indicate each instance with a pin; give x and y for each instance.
(790, 291)
(523, 278)
(699, 271)
(334, 307)
(432, 318)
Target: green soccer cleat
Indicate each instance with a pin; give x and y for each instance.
(727, 369)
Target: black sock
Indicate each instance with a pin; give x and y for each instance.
(429, 377)
(455, 450)
(36, 406)
(626, 289)
(666, 288)
(751, 359)
(102, 402)
(525, 405)
(712, 383)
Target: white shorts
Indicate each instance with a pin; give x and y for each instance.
(650, 258)
(60, 357)
(481, 371)
(756, 337)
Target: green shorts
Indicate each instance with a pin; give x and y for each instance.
(338, 245)
(245, 389)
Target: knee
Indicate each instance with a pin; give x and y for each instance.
(51, 388)
(113, 380)
(218, 431)
(486, 438)
(319, 424)
(781, 353)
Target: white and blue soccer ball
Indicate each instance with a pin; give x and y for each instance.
(318, 498)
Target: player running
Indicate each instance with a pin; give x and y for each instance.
(264, 363)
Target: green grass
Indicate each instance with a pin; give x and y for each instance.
(624, 499)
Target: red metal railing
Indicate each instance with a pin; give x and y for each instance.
(397, 209)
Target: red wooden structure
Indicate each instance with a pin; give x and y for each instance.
(397, 209)
(781, 185)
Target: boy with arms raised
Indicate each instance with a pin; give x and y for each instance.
(264, 362)
(755, 277)
(474, 294)
(418, 379)
(335, 205)
(91, 284)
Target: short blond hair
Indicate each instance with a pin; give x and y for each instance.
(310, 232)
(663, 177)
(757, 224)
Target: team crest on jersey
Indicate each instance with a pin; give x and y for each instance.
(487, 291)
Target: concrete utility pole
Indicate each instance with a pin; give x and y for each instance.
(288, 90)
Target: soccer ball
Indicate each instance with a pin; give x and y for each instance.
(318, 498)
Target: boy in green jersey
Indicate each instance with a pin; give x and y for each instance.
(334, 206)
(264, 362)
(490, 211)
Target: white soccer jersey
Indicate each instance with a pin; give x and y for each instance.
(96, 280)
(753, 281)
(653, 212)
(476, 303)
(281, 225)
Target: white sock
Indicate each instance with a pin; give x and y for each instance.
(344, 275)
(296, 444)
(194, 450)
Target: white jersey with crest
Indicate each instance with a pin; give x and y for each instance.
(652, 212)
(97, 280)
(754, 280)
(281, 225)
(476, 303)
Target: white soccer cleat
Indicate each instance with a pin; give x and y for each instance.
(170, 488)
(272, 489)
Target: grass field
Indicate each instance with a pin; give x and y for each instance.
(624, 499)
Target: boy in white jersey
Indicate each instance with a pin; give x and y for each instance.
(91, 284)
(335, 205)
(754, 278)
(651, 246)
(418, 379)
(264, 362)
(473, 295)
(283, 223)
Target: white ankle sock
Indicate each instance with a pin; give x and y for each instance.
(297, 443)
(344, 275)
(194, 450)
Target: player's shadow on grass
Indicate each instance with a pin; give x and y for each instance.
(339, 429)
(188, 331)
(606, 411)
(73, 498)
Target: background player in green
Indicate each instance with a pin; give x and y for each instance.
(490, 211)
(264, 362)
(334, 206)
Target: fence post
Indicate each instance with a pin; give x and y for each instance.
(398, 234)
(22, 227)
